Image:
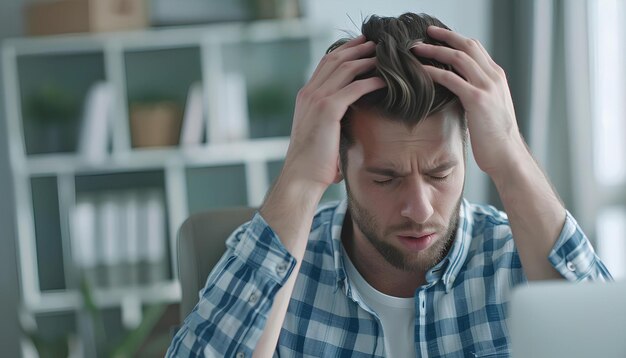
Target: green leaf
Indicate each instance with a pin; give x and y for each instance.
(135, 338)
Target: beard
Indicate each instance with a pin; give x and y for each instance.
(410, 262)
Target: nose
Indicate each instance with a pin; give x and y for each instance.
(417, 204)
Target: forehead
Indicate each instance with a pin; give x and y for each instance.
(378, 137)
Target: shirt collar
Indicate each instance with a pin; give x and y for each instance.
(458, 252)
(335, 235)
(447, 269)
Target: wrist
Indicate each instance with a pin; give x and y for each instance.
(290, 193)
(289, 208)
(521, 179)
(299, 181)
(303, 179)
(515, 161)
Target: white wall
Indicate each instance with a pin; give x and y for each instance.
(470, 18)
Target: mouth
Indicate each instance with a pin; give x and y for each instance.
(416, 241)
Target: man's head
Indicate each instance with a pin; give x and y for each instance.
(402, 150)
(410, 94)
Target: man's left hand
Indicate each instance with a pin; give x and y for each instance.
(483, 90)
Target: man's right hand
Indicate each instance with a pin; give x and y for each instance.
(311, 161)
(314, 148)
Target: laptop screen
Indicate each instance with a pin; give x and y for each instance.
(562, 319)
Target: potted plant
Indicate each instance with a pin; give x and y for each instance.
(94, 332)
(51, 118)
(155, 121)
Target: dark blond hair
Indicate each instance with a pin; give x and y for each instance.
(410, 94)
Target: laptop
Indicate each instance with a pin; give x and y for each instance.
(564, 319)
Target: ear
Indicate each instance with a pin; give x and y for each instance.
(339, 175)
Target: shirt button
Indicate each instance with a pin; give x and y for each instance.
(241, 355)
(281, 268)
(570, 266)
(253, 298)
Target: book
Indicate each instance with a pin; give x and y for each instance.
(156, 236)
(232, 123)
(111, 242)
(83, 237)
(133, 230)
(97, 122)
(194, 117)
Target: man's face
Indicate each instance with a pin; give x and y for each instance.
(404, 187)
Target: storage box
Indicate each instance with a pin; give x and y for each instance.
(155, 124)
(71, 16)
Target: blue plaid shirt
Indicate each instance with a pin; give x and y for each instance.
(460, 312)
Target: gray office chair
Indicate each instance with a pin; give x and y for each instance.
(201, 243)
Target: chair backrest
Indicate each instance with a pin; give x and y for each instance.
(201, 243)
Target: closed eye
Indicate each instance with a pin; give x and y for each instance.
(383, 182)
(439, 178)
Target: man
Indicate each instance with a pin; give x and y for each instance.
(405, 267)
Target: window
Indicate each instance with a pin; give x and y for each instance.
(608, 123)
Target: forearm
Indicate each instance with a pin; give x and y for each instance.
(288, 209)
(311, 161)
(536, 215)
(535, 212)
(253, 281)
(241, 288)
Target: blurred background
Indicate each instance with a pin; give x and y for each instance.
(120, 118)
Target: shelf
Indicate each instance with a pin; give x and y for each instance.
(248, 91)
(265, 149)
(167, 38)
(70, 300)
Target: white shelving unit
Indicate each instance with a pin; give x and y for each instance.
(174, 163)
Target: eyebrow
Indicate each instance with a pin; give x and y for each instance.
(444, 166)
(384, 172)
(393, 173)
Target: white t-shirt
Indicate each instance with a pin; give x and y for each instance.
(396, 314)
